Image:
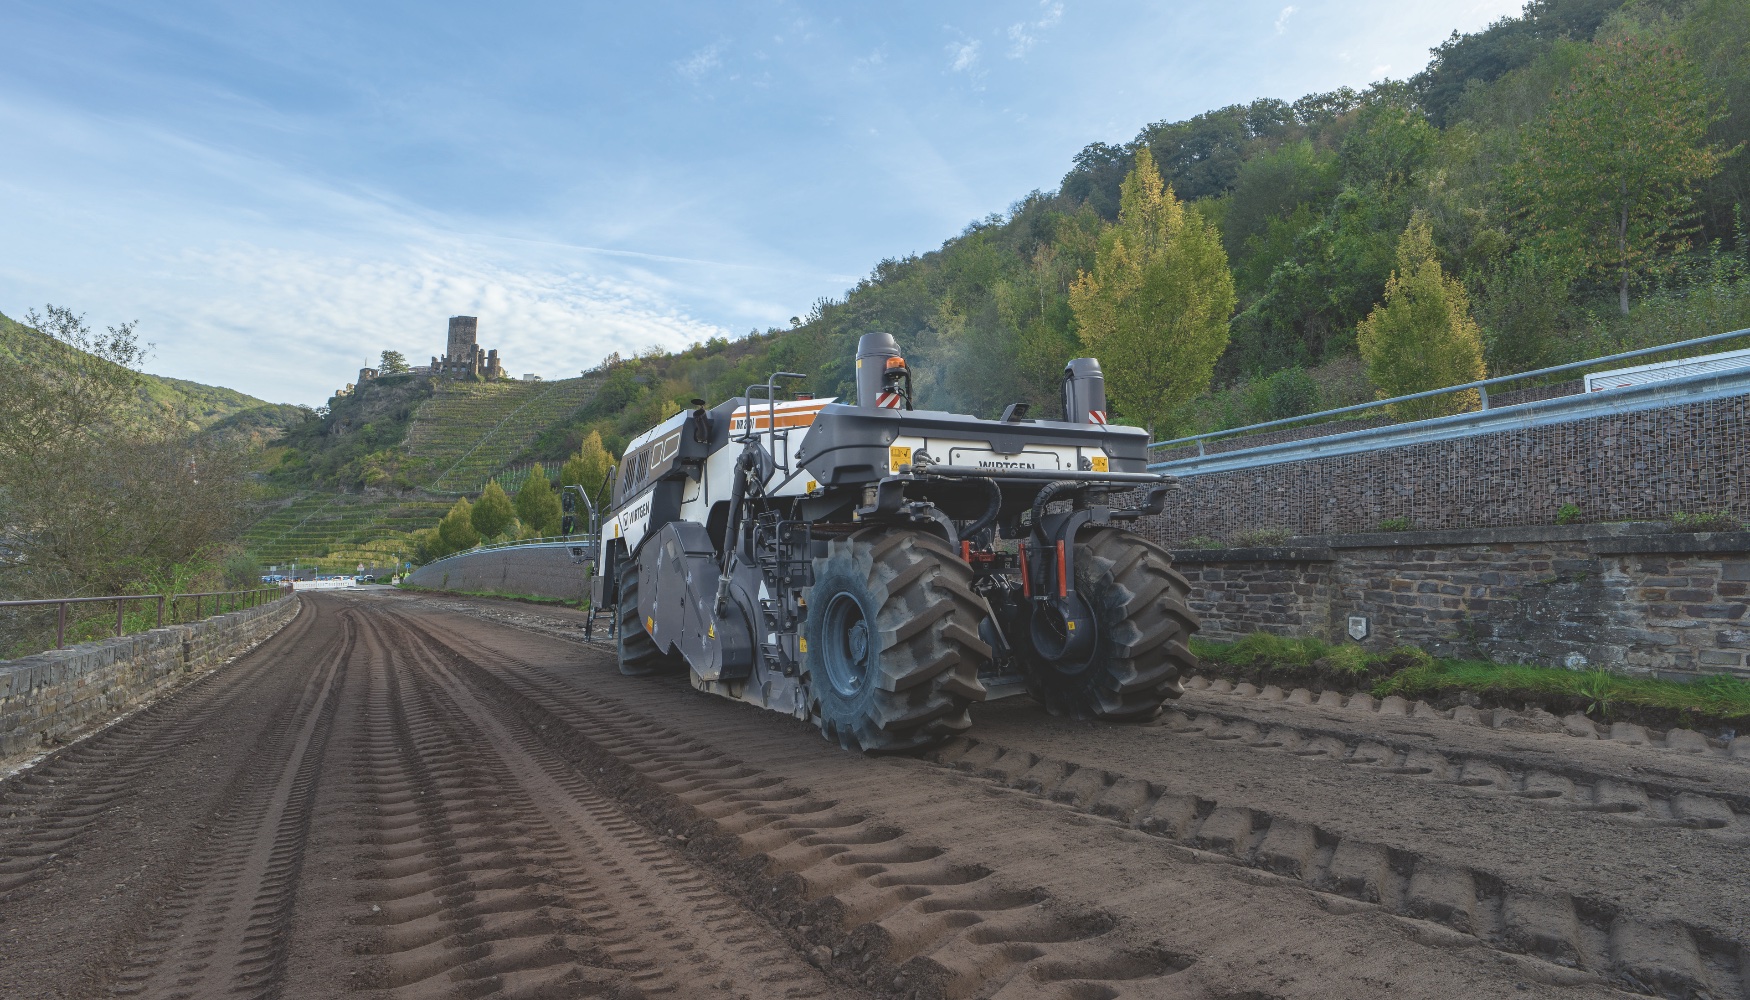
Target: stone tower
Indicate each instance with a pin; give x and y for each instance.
(463, 331)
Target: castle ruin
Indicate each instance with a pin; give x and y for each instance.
(463, 358)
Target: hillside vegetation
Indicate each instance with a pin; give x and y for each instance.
(1312, 198)
(200, 407)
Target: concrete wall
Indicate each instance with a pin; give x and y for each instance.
(545, 570)
(1631, 597)
(46, 697)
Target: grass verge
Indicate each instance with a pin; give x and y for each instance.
(1719, 702)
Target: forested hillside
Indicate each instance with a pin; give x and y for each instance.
(1579, 171)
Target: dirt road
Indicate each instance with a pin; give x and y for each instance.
(439, 798)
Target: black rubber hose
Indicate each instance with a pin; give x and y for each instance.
(989, 517)
(1044, 497)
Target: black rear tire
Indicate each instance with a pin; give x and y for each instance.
(893, 645)
(1143, 625)
(639, 654)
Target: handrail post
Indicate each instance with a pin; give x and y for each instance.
(118, 617)
(61, 626)
(1483, 391)
(160, 610)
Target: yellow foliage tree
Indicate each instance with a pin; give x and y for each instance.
(589, 467)
(1421, 336)
(1155, 309)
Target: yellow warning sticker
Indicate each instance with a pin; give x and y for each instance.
(802, 644)
(712, 631)
(1071, 625)
(897, 455)
(1101, 465)
(650, 625)
(812, 486)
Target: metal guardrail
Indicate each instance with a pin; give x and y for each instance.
(241, 599)
(1481, 386)
(1519, 416)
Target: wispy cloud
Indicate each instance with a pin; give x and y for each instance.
(701, 62)
(963, 56)
(1023, 35)
(1282, 19)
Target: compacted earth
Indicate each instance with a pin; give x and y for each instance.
(436, 797)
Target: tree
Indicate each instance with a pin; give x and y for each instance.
(1422, 336)
(588, 468)
(1604, 183)
(102, 489)
(393, 363)
(494, 513)
(537, 506)
(1156, 306)
(456, 530)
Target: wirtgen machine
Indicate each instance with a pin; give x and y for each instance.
(877, 568)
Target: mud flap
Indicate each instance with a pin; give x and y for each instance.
(677, 599)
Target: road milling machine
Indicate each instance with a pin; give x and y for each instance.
(878, 568)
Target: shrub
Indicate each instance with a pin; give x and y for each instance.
(1717, 521)
(1202, 542)
(1263, 537)
(1395, 524)
(1568, 514)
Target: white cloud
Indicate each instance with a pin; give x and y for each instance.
(1024, 35)
(1379, 72)
(701, 62)
(963, 56)
(1282, 19)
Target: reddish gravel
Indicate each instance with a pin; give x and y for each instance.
(429, 797)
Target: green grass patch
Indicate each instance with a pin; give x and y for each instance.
(1603, 693)
(1412, 673)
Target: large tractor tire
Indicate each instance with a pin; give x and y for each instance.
(893, 647)
(639, 654)
(1143, 628)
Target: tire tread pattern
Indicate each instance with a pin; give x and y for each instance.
(928, 618)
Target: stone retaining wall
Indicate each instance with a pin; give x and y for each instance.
(548, 570)
(47, 697)
(1631, 597)
(1644, 465)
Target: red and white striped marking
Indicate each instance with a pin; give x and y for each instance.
(888, 400)
(1097, 417)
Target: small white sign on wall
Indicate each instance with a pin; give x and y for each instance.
(1357, 627)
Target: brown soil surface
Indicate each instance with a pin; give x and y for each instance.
(416, 797)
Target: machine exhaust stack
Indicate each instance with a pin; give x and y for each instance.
(880, 372)
(1084, 392)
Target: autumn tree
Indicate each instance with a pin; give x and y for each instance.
(493, 512)
(1605, 181)
(1155, 308)
(588, 468)
(537, 506)
(1422, 336)
(456, 530)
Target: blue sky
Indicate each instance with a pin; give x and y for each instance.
(278, 192)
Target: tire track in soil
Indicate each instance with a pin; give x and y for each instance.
(679, 930)
(54, 804)
(1637, 952)
(1571, 784)
(464, 897)
(222, 932)
(851, 889)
